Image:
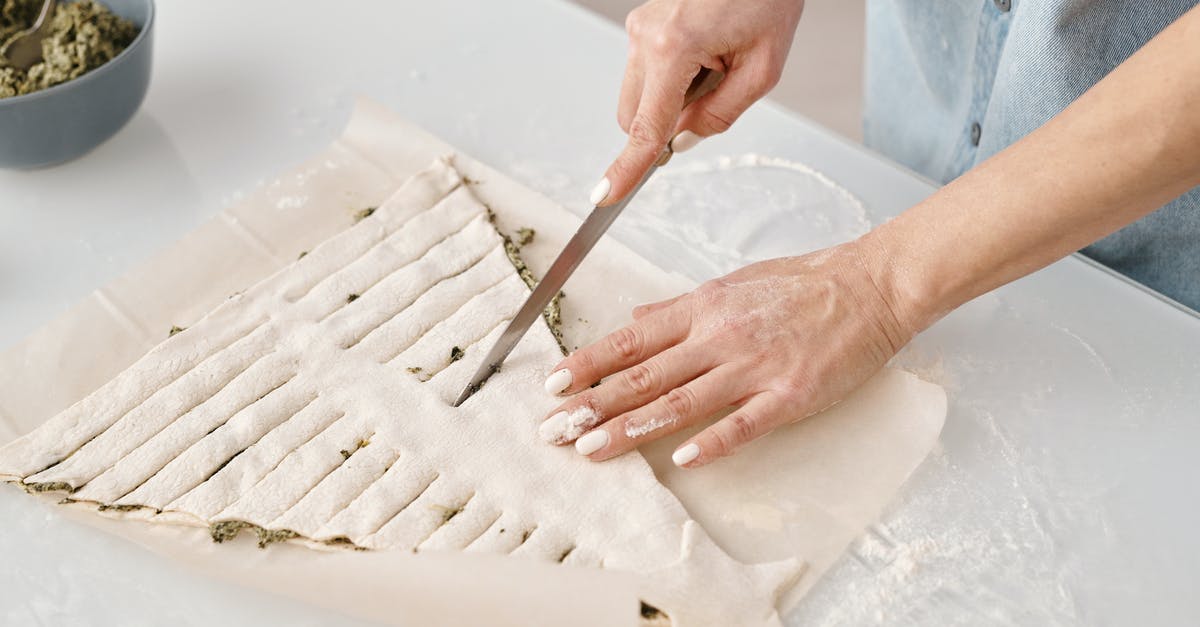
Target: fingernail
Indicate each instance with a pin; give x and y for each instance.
(551, 429)
(591, 442)
(684, 141)
(600, 191)
(685, 454)
(559, 381)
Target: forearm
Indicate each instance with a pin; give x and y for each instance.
(1123, 149)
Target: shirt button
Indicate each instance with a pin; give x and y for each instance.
(1003, 5)
(976, 133)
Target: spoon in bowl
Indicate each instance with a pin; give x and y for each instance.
(24, 50)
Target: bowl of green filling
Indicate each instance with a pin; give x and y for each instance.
(92, 79)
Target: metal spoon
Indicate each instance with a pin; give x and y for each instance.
(24, 50)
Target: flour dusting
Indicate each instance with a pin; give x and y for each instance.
(637, 429)
(710, 217)
(567, 426)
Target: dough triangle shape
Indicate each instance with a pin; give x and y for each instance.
(315, 408)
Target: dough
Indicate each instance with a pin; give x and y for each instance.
(315, 408)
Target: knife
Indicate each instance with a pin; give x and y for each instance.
(580, 244)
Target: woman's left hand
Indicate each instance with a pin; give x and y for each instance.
(780, 340)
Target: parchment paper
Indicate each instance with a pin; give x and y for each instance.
(808, 490)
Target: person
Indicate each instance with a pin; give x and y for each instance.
(1057, 125)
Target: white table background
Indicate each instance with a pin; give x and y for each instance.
(1064, 489)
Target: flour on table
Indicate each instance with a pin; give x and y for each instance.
(315, 408)
(705, 213)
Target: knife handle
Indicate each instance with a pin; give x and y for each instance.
(705, 81)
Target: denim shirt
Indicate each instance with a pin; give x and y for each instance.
(951, 82)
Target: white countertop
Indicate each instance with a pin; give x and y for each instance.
(1063, 490)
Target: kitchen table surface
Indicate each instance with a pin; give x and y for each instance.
(1063, 490)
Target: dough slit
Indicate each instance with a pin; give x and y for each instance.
(297, 474)
(467, 349)
(417, 195)
(544, 543)
(396, 335)
(502, 536)
(399, 486)
(245, 471)
(526, 534)
(336, 491)
(420, 518)
(433, 351)
(203, 459)
(462, 528)
(565, 554)
(64, 435)
(138, 466)
(406, 245)
(444, 254)
(162, 408)
(581, 557)
(403, 289)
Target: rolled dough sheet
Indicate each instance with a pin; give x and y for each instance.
(852, 458)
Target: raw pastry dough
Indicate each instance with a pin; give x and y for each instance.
(315, 408)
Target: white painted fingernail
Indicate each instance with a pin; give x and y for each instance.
(600, 191)
(559, 381)
(685, 141)
(686, 454)
(591, 442)
(551, 429)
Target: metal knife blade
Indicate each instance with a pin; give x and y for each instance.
(577, 248)
(590, 232)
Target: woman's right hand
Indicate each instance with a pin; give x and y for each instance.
(669, 41)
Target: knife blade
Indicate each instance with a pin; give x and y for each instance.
(590, 232)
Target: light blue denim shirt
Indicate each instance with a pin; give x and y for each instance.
(951, 82)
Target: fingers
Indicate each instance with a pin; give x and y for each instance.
(617, 351)
(632, 388)
(678, 408)
(743, 85)
(658, 109)
(761, 414)
(631, 89)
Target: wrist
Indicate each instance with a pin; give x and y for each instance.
(910, 291)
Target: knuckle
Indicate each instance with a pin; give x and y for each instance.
(625, 167)
(665, 41)
(635, 22)
(795, 392)
(709, 291)
(582, 364)
(742, 427)
(644, 132)
(626, 343)
(680, 402)
(592, 402)
(733, 324)
(643, 379)
(715, 124)
(721, 444)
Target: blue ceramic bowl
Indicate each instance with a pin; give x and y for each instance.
(68, 120)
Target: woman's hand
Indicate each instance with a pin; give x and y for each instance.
(669, 41)
(781, 340)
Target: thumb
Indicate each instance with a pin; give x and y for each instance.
(742, 87)
(649, 131)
